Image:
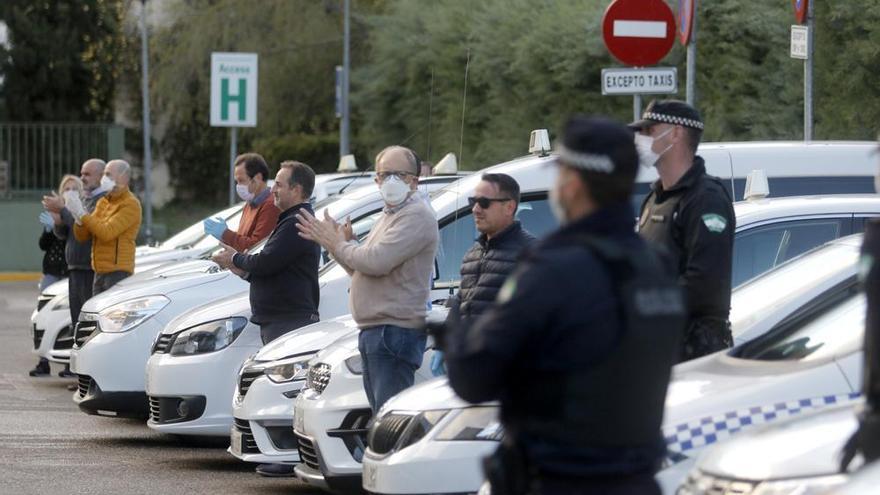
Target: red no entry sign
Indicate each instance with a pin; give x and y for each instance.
(639, 32)
(800, 10)
(685, 20)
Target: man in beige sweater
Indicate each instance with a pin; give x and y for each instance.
(390, 275)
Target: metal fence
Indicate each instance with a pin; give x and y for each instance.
(34, 155)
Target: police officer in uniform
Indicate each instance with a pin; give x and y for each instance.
(579, 345)
(690, 214)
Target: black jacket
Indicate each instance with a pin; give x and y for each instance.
(557, 313)
(53, 258)
(284, 275)
(487, 265)
(695, 222)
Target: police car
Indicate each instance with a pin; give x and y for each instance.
(437, 445)
(799, 455)
(863, 482)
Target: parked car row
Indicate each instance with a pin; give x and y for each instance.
(174, 343)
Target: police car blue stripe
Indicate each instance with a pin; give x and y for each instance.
(705, 431)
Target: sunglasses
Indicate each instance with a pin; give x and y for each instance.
(485, 202)
(399, 175)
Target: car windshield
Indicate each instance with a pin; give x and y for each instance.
(837, 331)
(195, 232)
(753, 301)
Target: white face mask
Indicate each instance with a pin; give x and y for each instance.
(243, 193)
(394, 190)
(645, 148)
(107, 184)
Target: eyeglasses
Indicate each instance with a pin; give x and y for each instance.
(485, 202)
(400, 175)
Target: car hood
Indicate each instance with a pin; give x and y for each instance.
(308, 339)
(55, 289)
(166, 255)
(165, 270)
(426, 396)
(338, 351)
(719, 383)
(227, 307)
(148, 288)
(803, 446)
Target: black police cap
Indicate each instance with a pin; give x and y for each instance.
(596, 144)
(673, 112)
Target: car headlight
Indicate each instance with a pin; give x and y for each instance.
(63, 303)
(127, 315)
(355, 364)
(208, 337)
(473, 423)
(800, 486)
(288, 370)
(421, 424)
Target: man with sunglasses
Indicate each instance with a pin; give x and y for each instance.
(690, 214)
(390, 275)
(493, 256)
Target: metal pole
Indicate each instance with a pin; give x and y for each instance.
(637, 107)
(808, 77)
(346, 69)
(690, 85)
(233, 152)
(148, 155)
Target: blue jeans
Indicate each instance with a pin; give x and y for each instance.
(391, 355)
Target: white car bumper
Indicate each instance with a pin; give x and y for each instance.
(328, 445)
(111, 370)
(428, 467)
(262, 419)
(204, 382)
(52, 333)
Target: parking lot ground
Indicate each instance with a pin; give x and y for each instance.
(47, 446)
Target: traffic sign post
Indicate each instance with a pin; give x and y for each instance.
(687, 25)
(802, 48)
(233, 99)
(639, 33)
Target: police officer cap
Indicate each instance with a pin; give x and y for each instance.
(597, 144)
(673, 112)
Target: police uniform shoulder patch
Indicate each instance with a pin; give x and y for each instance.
(714, 222)
(507, 290)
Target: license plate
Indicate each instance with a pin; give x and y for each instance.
(369, 478)
(298, 421)
(235, 442)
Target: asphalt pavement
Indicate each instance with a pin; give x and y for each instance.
(48, 446)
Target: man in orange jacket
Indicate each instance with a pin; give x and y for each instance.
(112, 227)
(260, 214)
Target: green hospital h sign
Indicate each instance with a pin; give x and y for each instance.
(226, 99)
(233, 87)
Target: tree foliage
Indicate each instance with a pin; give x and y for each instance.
(62, 60)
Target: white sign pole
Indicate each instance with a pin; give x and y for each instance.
(233, 152)
(808, 77)
(690, 84)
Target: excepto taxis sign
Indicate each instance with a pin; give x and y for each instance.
(655, 80)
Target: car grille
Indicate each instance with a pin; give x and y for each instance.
(246, 379)
(248, 444)
(64, 340)
(155, 410)
(699, 483)
(38, 336)
(318, 377)
(83, 384)
(42, 301)
(163, 343)
(308, 455)
(385, 434)
(84, 330)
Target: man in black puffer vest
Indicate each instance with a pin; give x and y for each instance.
(493, 256)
